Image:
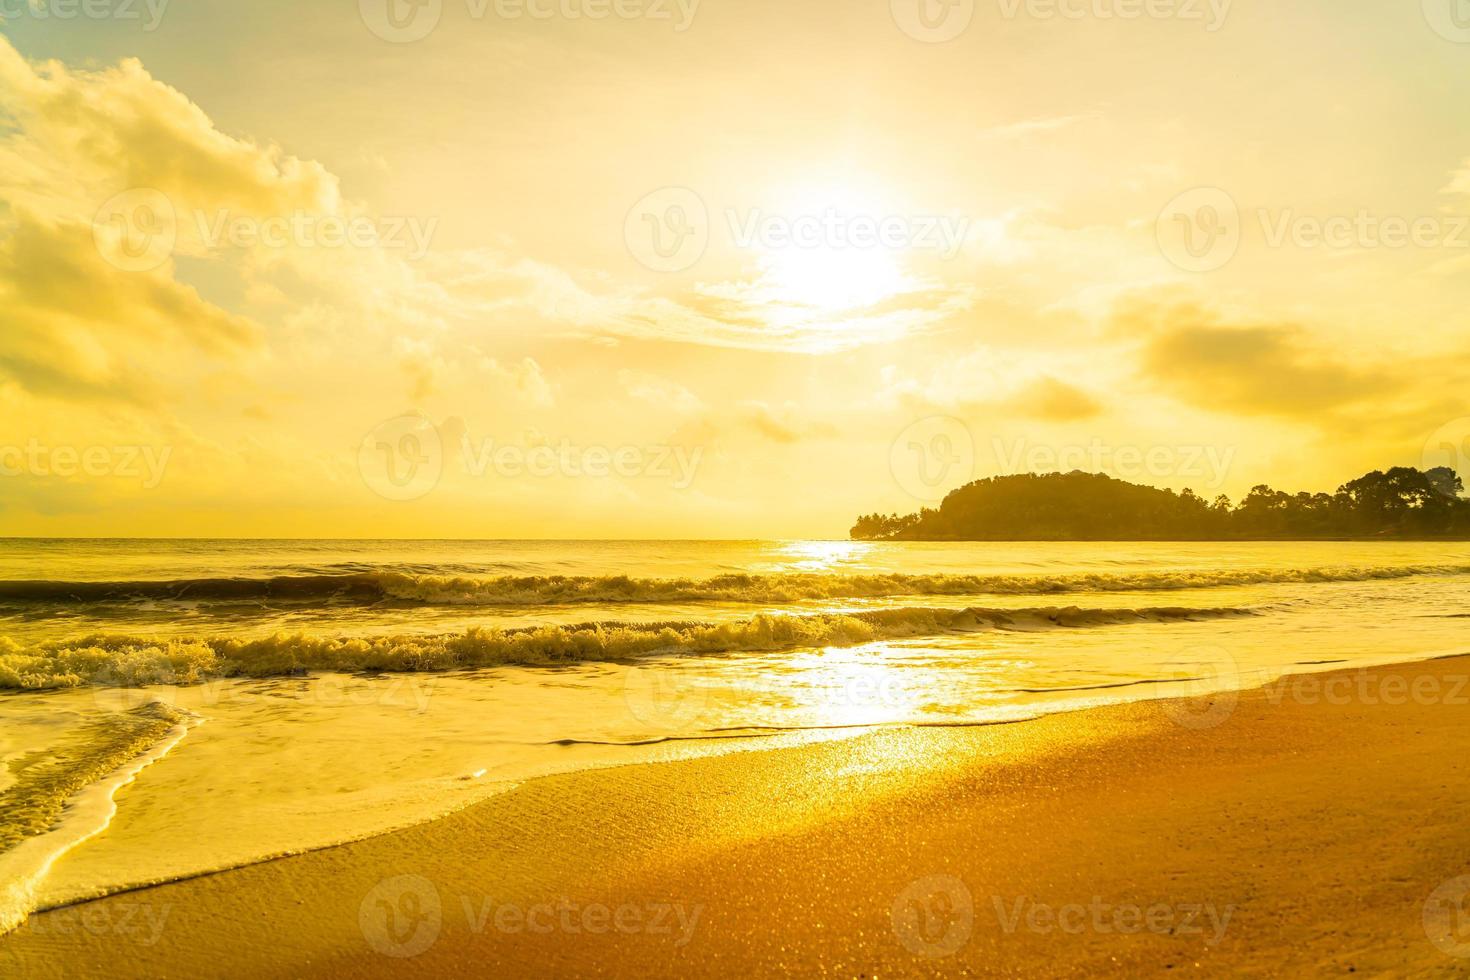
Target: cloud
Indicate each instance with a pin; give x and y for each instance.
(996, 385)
(1042, 124)
(73, 138)
(1459, 181)
(786, 424)
(524, 379)
(1251, 369)
(76, 323)
(1281, 370)
(662, 393)
(783, 424)
(1049, 400)
(72, 325)
(751, 315)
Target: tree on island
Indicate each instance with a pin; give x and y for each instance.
(1403, 502)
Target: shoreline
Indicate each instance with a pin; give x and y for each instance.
(1348, 539)
(846, 820)
(744, 739)
(91, 811)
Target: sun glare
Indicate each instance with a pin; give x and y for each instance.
(831, 259)
(828, 280)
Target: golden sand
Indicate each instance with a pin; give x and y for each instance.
(1314, 827)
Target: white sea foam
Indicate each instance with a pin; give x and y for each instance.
(24, 867)
(128, 661)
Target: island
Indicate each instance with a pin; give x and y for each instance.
(1402, 503)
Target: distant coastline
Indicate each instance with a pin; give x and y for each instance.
(1402, 504)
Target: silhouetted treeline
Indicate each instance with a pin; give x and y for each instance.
(1404, 502)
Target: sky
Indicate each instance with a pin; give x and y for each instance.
(708, 269)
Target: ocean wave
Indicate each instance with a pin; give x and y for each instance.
(409, 589)
(126, 661)
(63, 796)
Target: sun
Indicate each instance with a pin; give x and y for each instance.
(833, 260)
(829, 280)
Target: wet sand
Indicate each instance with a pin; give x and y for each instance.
(1313, 827)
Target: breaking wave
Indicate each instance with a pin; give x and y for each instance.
(126, 661)
(401, 588)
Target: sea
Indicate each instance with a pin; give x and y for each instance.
(170, 708)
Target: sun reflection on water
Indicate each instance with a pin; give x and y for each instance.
(820, 556)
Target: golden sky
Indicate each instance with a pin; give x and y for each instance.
(585, 268)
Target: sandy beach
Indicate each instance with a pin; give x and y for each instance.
(1312, 827)
(652, 488)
